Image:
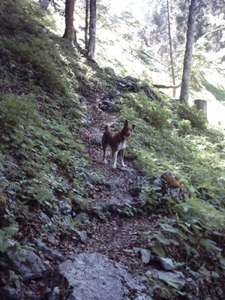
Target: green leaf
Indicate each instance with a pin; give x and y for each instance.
(192, 239)
(4, 241)
(166, 277)
(158, 250)
(162, 239)
(3, 244)
(181, 234)
(168, 228)
(174, 242)
(11, 230)
(185, 228)
(215, 274)
(209, 244)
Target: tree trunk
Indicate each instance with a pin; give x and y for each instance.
(184, 94)
(86, 23)
(44, 4)
(171, 49)
(201, 105)
(70, 32)
(92, 30)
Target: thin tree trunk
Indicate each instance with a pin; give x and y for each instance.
(92, 30)
(86, 24)
(184, 94)
(70, 32)
(171, 49)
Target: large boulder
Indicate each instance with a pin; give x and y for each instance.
(94, 276)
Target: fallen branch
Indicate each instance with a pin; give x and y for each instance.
(153, 57)
(162, 86)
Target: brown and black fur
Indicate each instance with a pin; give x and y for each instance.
(117, 141)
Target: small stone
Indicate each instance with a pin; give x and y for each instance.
(83, 218)
(65, 207)
(44, 218)
(145, 255)
(80, 235)
(52, 253)
(96, 141)
(166, 263)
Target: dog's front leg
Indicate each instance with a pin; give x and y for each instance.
(122, 158)
(115, 153)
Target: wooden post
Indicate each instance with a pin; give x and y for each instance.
(201, 105)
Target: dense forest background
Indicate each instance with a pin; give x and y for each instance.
(57, 92)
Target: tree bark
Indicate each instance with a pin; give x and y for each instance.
(44, 4)
(171, 49)
(201, 105)
(86, 24)
(92, 30)
(184, 94)
(70, 32)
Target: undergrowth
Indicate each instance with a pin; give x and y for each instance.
(170, 136)
(40, 117)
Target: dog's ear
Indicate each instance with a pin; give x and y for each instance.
(133, 126)
(125, 123)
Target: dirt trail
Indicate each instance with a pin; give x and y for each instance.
(116, 237)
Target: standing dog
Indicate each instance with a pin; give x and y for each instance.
(117, 141)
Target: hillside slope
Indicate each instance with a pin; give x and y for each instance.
(57, 195)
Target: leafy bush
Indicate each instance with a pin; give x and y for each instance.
(184, 127)
(195, 116)
(152, 112)
(194, 231)
(156, 115)
(6, 235)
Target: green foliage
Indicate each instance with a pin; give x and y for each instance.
(184, 127)
(32, 59)
(153, 113)
(189, 232)
(197, 156)
(16, 112)
(6, 235)
(195, 116)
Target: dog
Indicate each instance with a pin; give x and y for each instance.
(117, 141)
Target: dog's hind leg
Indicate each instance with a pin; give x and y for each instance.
(122, 157)
(104, 150)
(104, 146)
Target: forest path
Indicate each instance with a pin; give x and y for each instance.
(119, 236)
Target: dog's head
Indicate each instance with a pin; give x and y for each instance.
(127, 130)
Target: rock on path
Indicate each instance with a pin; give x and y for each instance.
(94, 276)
